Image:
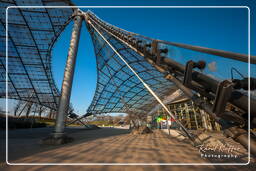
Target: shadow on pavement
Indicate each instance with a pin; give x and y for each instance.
(25, 142)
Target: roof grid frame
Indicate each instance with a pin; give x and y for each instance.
(32, 34)
(110, 73)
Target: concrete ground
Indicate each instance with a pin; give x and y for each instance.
(107, 145)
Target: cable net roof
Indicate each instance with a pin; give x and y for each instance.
(118, 89)
(31, 36)
(32, 33)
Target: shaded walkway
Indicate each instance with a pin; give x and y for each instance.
(111, 145)
(151, 148)
(25, 142)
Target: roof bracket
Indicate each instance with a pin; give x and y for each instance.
(223, 94)
(188, 74)
(155, 52)
(189, 70)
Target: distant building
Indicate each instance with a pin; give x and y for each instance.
(188, 114)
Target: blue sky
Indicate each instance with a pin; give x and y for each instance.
(224, 29)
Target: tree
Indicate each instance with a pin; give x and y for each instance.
(37, 108)
(137, 119)
(1, 110)
(70, 109)
(110, 120)
(117, 119)
(29, 106)
(18, 106)
(41, 109)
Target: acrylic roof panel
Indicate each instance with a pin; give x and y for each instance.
(31, 35)
(118, 89)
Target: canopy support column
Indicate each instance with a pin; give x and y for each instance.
(58, 136)
(68, 78)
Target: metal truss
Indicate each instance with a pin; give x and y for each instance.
(32, 33)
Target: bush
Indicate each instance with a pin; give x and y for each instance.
(14, 123)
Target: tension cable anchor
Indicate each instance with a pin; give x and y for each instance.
(77, 12)
(244, 83)
(223, 94)
(146, 49)
(189, 69)
(139, 46)
(157, 52)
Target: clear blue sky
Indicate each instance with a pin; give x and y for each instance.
(224, 29)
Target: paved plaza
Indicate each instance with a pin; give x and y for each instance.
(106, 145)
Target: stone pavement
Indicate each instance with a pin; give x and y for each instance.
(110, 145)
